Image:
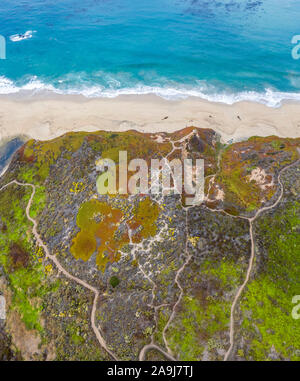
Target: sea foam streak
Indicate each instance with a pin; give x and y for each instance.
(22, 36)
(269, 97)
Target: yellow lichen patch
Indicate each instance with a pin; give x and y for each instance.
(111, 241)
(194, 240)
(48, 269)
(103, 229)
(77, 187)
(99, 223)
(84, 245)
(39, 254)
(144, 220)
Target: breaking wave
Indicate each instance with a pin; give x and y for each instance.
(35, 86)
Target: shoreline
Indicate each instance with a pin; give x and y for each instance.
(46, 117)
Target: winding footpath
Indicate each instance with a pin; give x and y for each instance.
(252, 256)
(152, 346)
(185, 263)
(53, 258)
(148, 347)
(169, 355)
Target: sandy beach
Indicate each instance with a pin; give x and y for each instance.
(46, 118)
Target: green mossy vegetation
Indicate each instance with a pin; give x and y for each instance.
(203, 318)
(268, 299)
(44, 153)
(196, 324)
(228, 273)
(28, 284)
(114, 281)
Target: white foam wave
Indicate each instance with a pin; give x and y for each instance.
(7, 86)
(269, 97)
(22, 36)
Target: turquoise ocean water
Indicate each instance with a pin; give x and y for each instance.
(223, 50)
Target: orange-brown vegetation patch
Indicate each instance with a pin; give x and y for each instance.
(18, 256)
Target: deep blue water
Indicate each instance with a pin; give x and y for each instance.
(224, 50)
